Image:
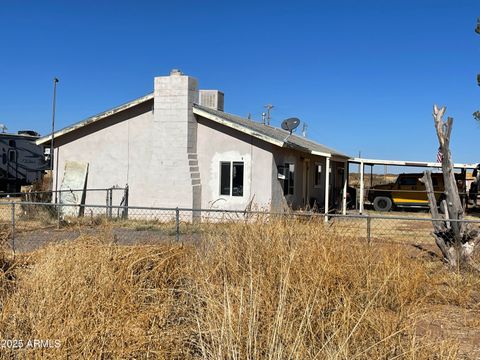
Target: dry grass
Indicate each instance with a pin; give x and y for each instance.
(276, 290)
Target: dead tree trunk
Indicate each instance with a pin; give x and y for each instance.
(455, 238)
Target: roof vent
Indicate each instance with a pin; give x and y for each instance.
(175, 72)
(29, 133)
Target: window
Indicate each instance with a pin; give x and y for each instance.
(4, 158)
(407, 181)
(225, 178)
(237, 179)
(231, 178)
(12, 143)
(12, 156)
(289, 181)
(318, 175)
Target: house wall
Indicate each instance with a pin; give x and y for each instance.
(218, 143)
(300, 198)
(151, 147)
(118, 150)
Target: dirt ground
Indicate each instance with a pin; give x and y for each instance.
(28, 241)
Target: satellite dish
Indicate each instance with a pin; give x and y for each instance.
(290, 124)
(3, 128)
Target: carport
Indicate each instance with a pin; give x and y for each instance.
(362, 162)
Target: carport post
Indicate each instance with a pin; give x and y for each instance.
(327, 186)
(345, 181)
(362, 185)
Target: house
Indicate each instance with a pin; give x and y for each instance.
(177, 147)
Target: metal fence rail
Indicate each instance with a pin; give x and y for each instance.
(33, 224)
(112, 195)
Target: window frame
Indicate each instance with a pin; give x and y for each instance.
(231, 165)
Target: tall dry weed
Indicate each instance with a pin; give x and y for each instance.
(296, 291)
(270, 290)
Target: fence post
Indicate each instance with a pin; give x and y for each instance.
(111, 203)
(106, 203)
(177, 224)
(126, 201)
(57, 205)
(369, 227)
(13, 228)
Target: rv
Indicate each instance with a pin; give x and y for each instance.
(22, 161)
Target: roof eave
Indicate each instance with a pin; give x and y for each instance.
(94, 119)
(240, 128)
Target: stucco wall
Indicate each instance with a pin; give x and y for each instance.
(218, 143)
(151, 147)
(300, 197)
(118, 150)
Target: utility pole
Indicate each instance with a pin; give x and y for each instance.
(476, 114)
(55, 81)
(268, 107)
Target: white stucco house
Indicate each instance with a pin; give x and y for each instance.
(177, 147)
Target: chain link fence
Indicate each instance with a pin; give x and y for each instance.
(29, 225)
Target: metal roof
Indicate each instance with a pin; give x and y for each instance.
(408, 163)
(95, 118)
(267, 133)
(17, 136)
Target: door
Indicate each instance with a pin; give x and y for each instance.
(306, 183)
(12, 166)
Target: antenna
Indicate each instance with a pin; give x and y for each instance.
(268, 107)
(3, 128)
(304, 130)
(263, 118)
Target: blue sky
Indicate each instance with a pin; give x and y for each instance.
(363, 75)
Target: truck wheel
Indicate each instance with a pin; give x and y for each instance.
(382, 203)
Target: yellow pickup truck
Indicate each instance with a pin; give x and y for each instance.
(409, 191)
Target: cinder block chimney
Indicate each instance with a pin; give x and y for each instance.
(175, 140)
